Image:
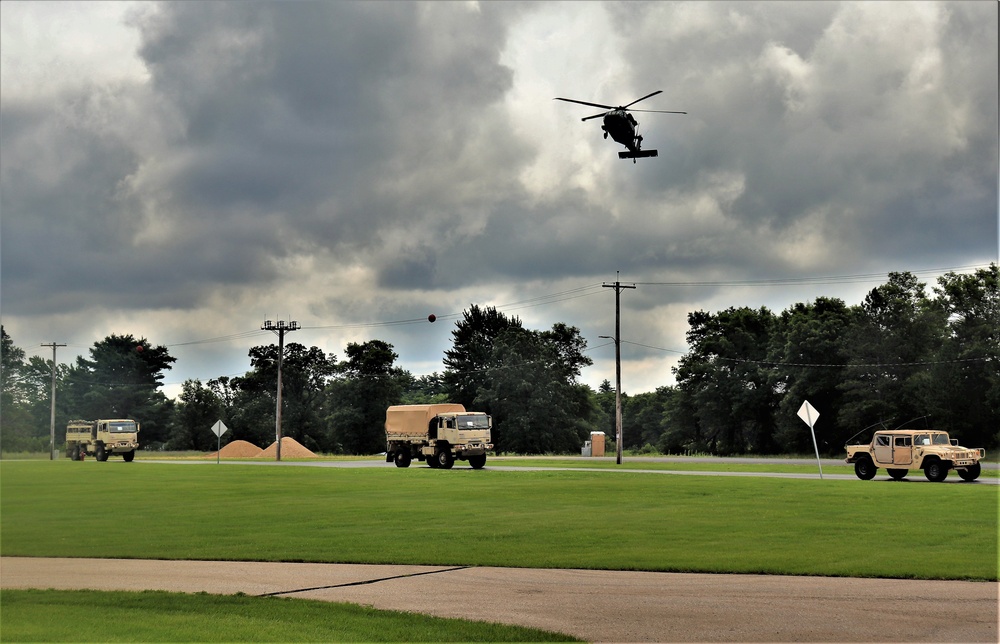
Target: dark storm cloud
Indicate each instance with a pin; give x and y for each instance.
(368, 161)
(272, 129)
(339, 119)
(883, 117)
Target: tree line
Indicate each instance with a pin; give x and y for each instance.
(902, 355)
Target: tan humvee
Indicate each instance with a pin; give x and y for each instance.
(900, 450)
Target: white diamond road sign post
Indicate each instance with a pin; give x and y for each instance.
(808, 414)
(219, 428)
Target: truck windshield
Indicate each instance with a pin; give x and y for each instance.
(122, 427)
(477, 421)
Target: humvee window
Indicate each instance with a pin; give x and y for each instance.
(941, 439)
(882, 440)
(921, 439)
(902, 441)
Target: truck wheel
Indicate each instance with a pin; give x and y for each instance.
(935, 471)
(445, 460)
(477, 462)
(402, 459)
(865, 469)
(432, 461)
(897, 474)
(100, 454)
(971, 473)
(128, 456)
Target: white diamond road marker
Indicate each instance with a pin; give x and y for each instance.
(809, 415)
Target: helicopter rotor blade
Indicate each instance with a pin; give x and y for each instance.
(659, 91)
(658, 111)
(595, 116)
(571, 100)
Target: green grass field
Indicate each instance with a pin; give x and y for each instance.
(154, 616)
(644, 463)
(563, 519)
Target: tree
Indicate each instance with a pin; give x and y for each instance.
(305, 373)
(198, 409)
(468, 363)
(723, 383)
(896, 332)
(603, 403)
(966, 372)
(643, 416)
(810, 356)
(425, 390)
(121, 379)
(532, 393)
(369, 383)
(18, 432)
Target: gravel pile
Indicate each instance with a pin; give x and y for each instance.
(238, 449)
(290, 448)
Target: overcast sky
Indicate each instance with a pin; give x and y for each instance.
(183, 171)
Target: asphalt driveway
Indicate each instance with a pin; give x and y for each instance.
(596, 605)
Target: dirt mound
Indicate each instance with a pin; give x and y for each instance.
(290, 448)
(238, 449)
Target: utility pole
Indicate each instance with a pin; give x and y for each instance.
(280, 328)
(52, 411)
(618, 286)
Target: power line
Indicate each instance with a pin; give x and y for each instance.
(830, 279)
(831, 365)
(587, 291)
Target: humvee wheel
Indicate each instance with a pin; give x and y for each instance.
(971, 473)
(897, 474)
(865, 469)
(477, 462)
(128, 456)
(935, 471)
(401, 459)
(445, 460)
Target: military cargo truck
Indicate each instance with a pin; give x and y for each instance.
(900, 450)
(438, 434)
(102, 438)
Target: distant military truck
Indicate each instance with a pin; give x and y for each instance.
(102, 438)
(438, 434)
(902, 450)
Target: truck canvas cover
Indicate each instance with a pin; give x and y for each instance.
(412, 420)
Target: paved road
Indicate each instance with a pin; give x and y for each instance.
(599, 606)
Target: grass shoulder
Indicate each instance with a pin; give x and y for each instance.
(156, 616)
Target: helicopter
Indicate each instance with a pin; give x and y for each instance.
(621, 125)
